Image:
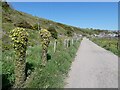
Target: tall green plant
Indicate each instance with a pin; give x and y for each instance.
(20, 38)
(45, 40)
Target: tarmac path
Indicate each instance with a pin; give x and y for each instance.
(93, 67)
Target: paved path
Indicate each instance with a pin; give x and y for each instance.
(94, 67)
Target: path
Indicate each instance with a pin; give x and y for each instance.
(93, 67)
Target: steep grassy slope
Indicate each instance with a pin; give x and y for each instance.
(12, 18)
(58, 63)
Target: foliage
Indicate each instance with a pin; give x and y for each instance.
(20, 38)
(69, 33)
(23, 24)
(45, 40)
(53, 32)
(55, 71)
(45, 37)
(35, 27)
(5, 5)
(12, 18)
(50, 76)
(110, 44)
(7, 69)
(58, 64)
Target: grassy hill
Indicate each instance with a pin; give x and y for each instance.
(58, 64)
(12, 18)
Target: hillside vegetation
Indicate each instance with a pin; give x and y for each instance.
(59, 57)
(13, 18)
(60, 43)
(110, 44)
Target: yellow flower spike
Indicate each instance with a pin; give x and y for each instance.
(19, 37)
(45, 40)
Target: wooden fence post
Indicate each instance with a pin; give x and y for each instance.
(67, 43)
(55, 44)
(64, 42)
(72, 41)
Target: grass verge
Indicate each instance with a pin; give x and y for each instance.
(110, 44)
(53, 75)
(50, 76)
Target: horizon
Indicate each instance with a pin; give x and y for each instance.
(102, 15)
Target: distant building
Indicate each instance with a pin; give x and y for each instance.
(103, 35)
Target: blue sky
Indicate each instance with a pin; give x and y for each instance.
(100, 15)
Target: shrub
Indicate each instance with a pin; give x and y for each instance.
(69, 33)
(35, 27)
(23, 24)
(53, 32)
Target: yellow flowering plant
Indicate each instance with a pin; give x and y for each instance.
(19, 37)
(45, 40)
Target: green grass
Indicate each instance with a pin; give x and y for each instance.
(0, 61)
(51, 76)
(109, 44)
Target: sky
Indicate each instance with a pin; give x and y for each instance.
(98, 15)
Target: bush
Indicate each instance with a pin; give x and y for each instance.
(23, 24)
(53, 32)
(69, 33)
(35, 27)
